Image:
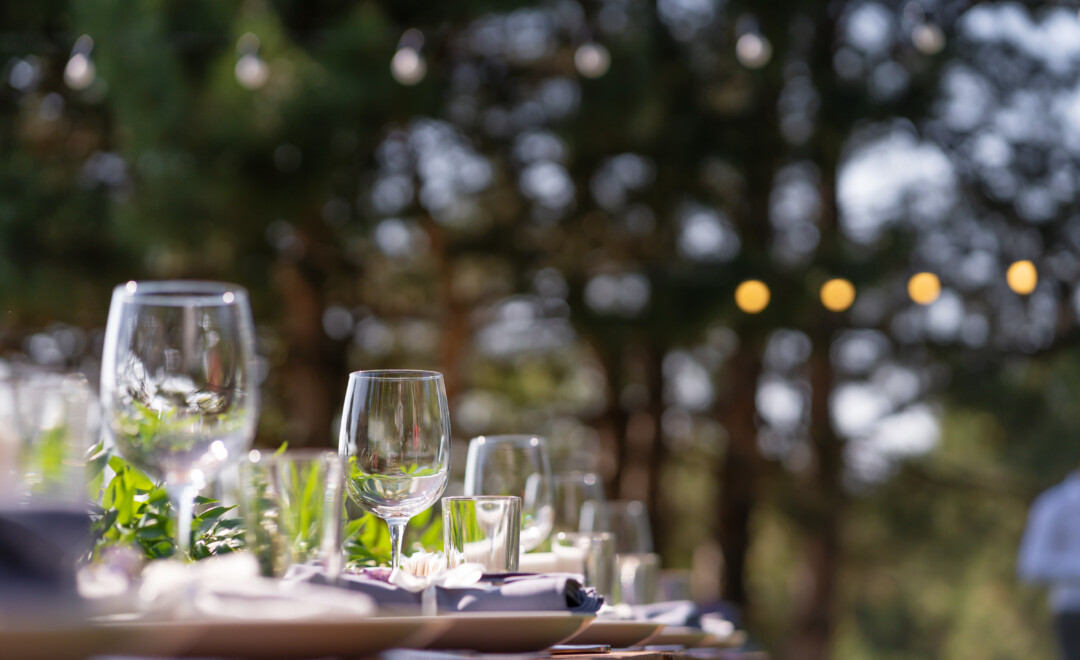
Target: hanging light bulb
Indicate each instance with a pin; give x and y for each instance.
(752, 296)
(80, 72)
(251, 71)
(1022, 276)
(924, 288)
(837, 294)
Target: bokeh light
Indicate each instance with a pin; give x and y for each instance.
(924, 288)
(752, 296)
(592, 60)
(1022, 277)
(407, 67)
(753, 50)
(837, 294)
(251, 71)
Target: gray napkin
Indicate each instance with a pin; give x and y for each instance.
(552, 592)
(670, 613)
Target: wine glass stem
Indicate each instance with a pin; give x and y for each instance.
(183, 500)
(397, 531)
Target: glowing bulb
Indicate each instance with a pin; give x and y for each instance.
(752, 296)
(407, 67)
(1022, 277)
(592, 60)
(928, 38)
(251, 71)
(837, 294)
(131, 287)
(228, 297)
(753, 50)
(79, 73)
(924, 288)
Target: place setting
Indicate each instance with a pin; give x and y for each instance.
(528, 560)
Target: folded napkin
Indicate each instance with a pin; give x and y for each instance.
(493, 593)
(670, 613)
(39, 549)
(229, 587)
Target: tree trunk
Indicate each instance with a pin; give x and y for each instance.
(738, 474)
(815, 608)
(312, 379)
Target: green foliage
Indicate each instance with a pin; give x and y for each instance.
(135, 512)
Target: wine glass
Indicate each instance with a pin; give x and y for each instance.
(514, 465)
(177, 383)
(395, 445)
(629, 521)
(580, 503)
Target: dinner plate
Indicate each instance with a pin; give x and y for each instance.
(678, 636)
(617, 634)
(273, 640)
(57, 642)
(734, 640)
(506, 632)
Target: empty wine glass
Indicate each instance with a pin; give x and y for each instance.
(629, 521)
(395, 445)
(177, 383)
(580, 503)
(514, 465)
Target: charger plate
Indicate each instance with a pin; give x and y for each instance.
(617, 634)
(272, 639)
(504, 632)
(684, 636)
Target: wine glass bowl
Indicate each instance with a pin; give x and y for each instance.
(514, 465)
(395, 444)
(177, 382)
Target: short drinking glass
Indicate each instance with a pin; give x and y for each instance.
(482, 530)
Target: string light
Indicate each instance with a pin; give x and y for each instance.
(924, 288)
(752, 296)
(1022, 277)
(408, 67)
(837, 294)
(592, 59)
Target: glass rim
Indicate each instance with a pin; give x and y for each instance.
(481, 498)
(397, 374)
(582, 475)
(300, 453)
(525, 438)
(180, 293)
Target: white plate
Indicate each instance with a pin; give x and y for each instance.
(678, 636)
(734, 640)
(272, 640)
(507, 632)
(618, 634)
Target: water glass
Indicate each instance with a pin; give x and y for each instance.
(47, 424)
(629, 521)
(514, 465)
(292, 508)
(580, 503)
(590, 553)
(482, 530)
(637, 577)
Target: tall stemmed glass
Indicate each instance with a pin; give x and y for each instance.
(177, 383)
(514, 465)
(395, 445)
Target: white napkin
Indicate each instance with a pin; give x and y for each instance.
(230, 587)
